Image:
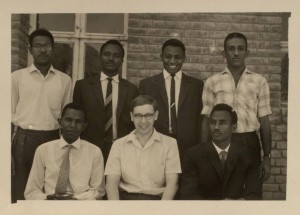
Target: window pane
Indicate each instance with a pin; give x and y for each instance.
(57, 22)
(92, 65)
(108, 23)
(63, 57)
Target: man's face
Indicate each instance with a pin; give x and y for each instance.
(41, 50)
(143, 118)
(172, 58)
(111, 59)
(72, 124)
(235, 52)
(221, 127)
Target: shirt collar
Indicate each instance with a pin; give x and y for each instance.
(154, 137)
(33, 68)
(63, 143)
(104, 77)
(177, 74)
(226, 71)
(219, 149)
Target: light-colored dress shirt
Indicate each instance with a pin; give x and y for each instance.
(86, 170)
(250, 98)
(115, 93)
(219, 150)
(37, 101)
(143, 169)
(177, 79)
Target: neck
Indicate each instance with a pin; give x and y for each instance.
(110, 73)
(43, 69)
(69, 141)
(236, 70)
(143, 138)
(222, 145)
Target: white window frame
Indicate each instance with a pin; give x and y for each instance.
(79, 37)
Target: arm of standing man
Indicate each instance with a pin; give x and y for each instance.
(266, 140)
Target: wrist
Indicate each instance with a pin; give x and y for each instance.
(267, 156)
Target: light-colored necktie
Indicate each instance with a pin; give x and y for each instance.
(63, 178)
(173, 106)
(108, 133)
(223, 157)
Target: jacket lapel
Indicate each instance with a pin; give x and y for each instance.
(97, 89)
(184, 89)
(121, 97)
(231, 162)
(214, 159)
(160, 85)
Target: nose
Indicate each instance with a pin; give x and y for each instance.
(143, 119)
(216, 127)
(236, 52)
(172, 60)
(73, 123)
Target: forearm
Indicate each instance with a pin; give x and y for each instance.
(265, 134)
(170, 192)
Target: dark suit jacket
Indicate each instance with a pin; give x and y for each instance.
(203, 176)
(88, 92)
(189, 108)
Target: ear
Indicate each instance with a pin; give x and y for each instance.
(156, 115)
(131, 116)
(233, 127)
(84, 126)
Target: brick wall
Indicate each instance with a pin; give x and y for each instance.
(203, 36)
(19, 41)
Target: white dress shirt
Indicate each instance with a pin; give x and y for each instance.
(86, 170)
(37, 101)
(115, 94)
(177, 79)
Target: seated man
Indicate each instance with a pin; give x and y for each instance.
(220, 169)
(67, 168)
(143, 165)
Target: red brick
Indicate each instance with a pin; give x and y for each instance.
(279, 196)
(267, 195)
(154, 31)
(153, 65)
(269, 36)
(281, 162)
(196, 33)
(283, 170)
(235, 27)
(275, 170)
(137, 31)
(146, 39)
(284, 111)
(159, 23)
(276, 154)
(133, 39)
(246, 27)
(275, 119)
(172, 16)
(281, 128)
(258, 27)
(153, 48)
(271, 187)
(136, 64)
(173, 32)
(281, 144)
(282, 187)
(222, 26)
(280, 179)
(274, 86)
(136, 47)
(270, 19)
(196, 58)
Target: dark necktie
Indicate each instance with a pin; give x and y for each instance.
(173, 106)
(223, 157)
(108, 111)
(63, 178)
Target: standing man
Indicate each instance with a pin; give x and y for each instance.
(68, 168)
(220, 168)
(178, 96)
(248, 93)
(38, 94)
(106, 99)
(143, 165)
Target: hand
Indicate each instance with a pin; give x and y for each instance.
(13, 170)
(265, 168)
(60, 197)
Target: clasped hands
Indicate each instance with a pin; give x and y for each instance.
(61, 197)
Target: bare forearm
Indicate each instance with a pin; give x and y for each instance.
(265, 133)
(170, 192)
(205, 133)
(112, 191)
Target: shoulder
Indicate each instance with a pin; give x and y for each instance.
(128, 83)
(166, 139)
(19, 72)
(45, 147)
(90, 147)
(152, 78)
(62, 75)
(193, 80)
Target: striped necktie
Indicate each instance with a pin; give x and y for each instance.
(63, 178)
(173, 106)
(223, 157)
(108, 111)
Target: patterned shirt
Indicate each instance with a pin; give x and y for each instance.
(250, 98)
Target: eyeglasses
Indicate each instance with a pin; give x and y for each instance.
(147, 116)
(47, 47)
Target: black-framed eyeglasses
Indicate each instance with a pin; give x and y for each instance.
(147, 116)
(47, 47)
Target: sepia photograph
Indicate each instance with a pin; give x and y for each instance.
(192, 104)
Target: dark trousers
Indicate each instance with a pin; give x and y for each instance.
(24, 144)
(251, 141)
(137, 196)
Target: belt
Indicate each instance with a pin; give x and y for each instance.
(140, 195)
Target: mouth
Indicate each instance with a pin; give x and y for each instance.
(173, 66)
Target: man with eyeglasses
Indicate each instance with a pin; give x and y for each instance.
(38, 94)
(143, 165)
